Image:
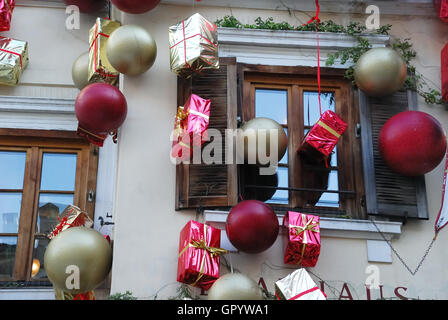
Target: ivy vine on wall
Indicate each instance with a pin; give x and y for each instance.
(415, 80)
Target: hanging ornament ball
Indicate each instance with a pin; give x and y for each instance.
(380, 72)
(87, 6)
(80, 71)
(252, 226)
(252, 176)
(135, 6)
(131, 50)
(261, 129)
(100, 108)
(235, 286)
(81, 252)
(412, 143)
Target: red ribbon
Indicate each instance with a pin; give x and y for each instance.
(59, 227)
(316, 18)
(15, 53)
(302, 293)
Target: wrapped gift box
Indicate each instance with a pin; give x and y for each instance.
(199, 255)
(323, 136)
(298, 286)
(193, 46)
(100, 69)
(71, 217)
(6, 9)
(13, 60)
(302, 240)
(190, 128)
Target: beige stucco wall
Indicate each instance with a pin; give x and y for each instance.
(147, 226)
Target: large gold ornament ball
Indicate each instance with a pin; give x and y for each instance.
(380, 72)
(80, 70)
(78, 260)
(257, 133)
(131, 50)
(235, 286)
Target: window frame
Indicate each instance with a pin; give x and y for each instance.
(298, 80)
(35, 143)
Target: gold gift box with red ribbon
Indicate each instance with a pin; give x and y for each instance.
(193, 46)
(100, 69)
(13, 60)
(71, 217)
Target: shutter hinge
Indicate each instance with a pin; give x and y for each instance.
(91, 195)
(358, 130)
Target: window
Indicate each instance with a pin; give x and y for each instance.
(292, 101)
(41, 173)
(356, 182)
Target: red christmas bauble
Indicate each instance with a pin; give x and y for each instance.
(135, 6)
(412, 143)
(252, 226)
(87, 6)
(100, 108)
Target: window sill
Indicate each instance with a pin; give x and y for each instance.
(27, 294)
(377, 249)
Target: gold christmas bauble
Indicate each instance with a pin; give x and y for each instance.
(256, 134)
(80, 71)
(131, 50)
(235, 286)
(78, 260)
(380, 72)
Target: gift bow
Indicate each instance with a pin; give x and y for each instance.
(59, 227)
(310, 225)
(202, 245)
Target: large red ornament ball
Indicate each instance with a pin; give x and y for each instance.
(101, 108)
(135, 6)
(252, 226)
(412, 143)
(87, 6)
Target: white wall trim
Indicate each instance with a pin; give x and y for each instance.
(59, 114)
(287, 48)
(330, 227)
(399, 8)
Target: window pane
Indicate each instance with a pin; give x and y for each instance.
(7, 256)
(271, 104)
(281, 196)
(311, 105)
(284, 160)
(38, 268)
(58, 172)
(12, 169)
(50, 207)
(330, 199)
(10, 204)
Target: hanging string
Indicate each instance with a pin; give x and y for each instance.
(316, 18)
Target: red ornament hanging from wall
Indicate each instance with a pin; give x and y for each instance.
(442, 9)
(101, 109)
(135, 6)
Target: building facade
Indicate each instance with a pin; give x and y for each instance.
(139, 199)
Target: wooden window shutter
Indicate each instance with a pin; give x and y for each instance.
(213, 185)
(388, 193)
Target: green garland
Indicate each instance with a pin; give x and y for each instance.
(415, 80)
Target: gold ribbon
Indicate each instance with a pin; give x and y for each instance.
(309, 225)
(202, 245)
(329, 129)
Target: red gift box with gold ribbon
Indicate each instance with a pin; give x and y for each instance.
(324, 135)
(6, 9)
(302, 245)
(199, 255)
(190, 127)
